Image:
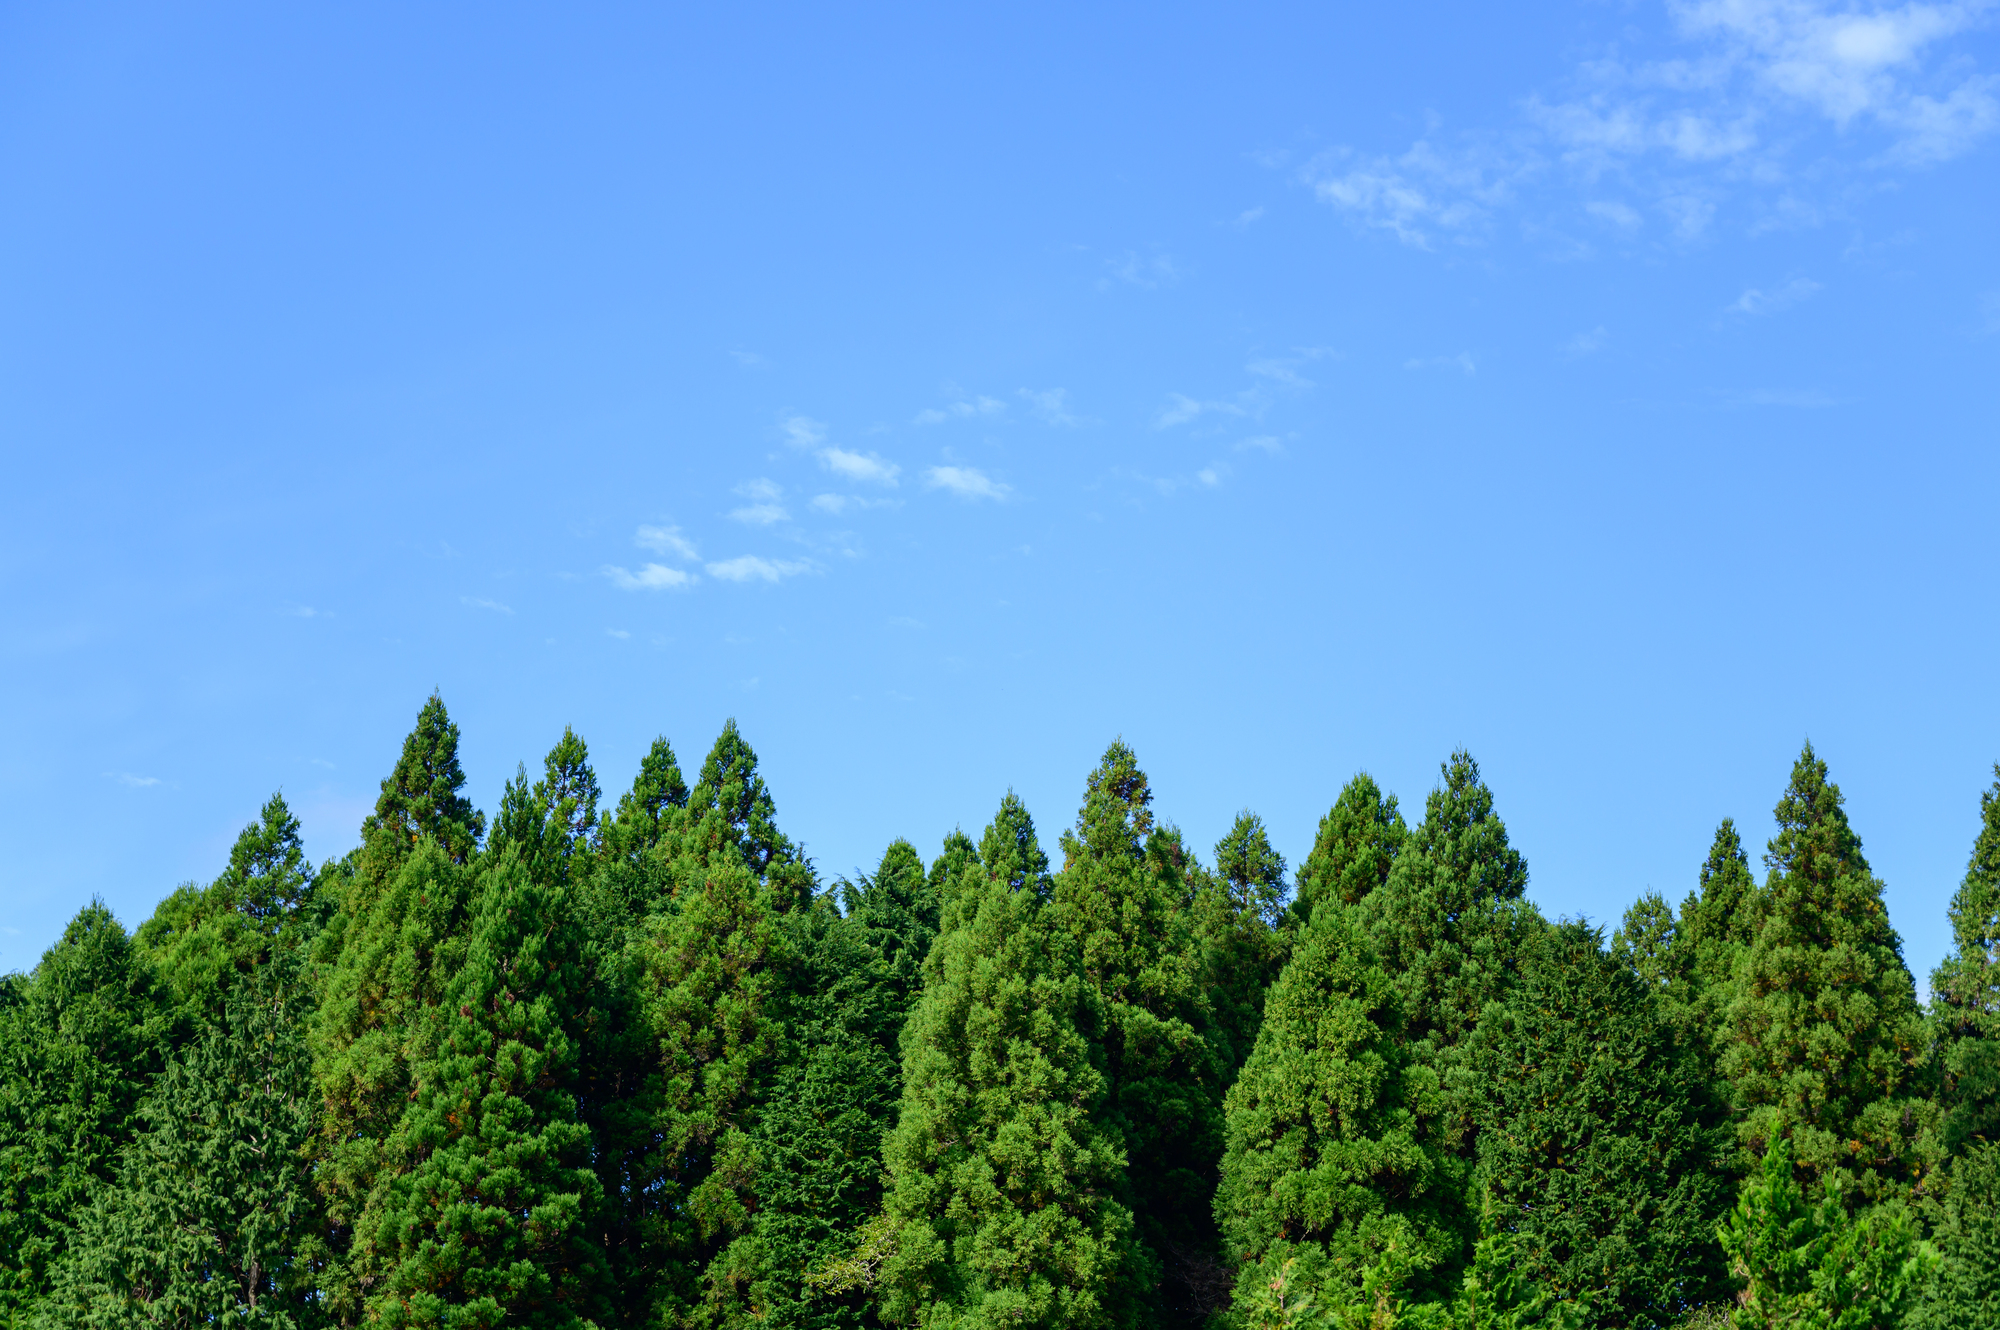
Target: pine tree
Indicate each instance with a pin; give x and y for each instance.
(1331, 1179)
(1826, 1044)
(1123, 898)
(212, 1218)
(1965, 991)
(386, 959)
(81, 1039)
(1356, 847)
(1599, 1137)
(489, 1224)
(1002, 1207)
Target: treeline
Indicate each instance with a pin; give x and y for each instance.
(637, 1066)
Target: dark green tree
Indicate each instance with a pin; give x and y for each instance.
(1600, 1141)
(1717, 922)
(553, 826)
(1123, 897)
(1002, 1208)
(1965, 992)
(1966, 1290)
(1332, 1185)
(1236, 911)
(1825, 1037)
(949, 866)
(421, 801)
(80, 1040)
(212, 1218)
(653, 811)
(1356, 847)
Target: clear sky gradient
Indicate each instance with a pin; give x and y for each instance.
(944, 390)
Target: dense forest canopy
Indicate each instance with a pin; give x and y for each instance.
(633, 1063)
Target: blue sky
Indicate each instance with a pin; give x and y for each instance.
(944, 390)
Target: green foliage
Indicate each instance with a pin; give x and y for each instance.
(1966, 1290)
(1965, 991)
(1814, 1266)
(553, 827)
(1600, 1142)
(212, 1218)
(1358, 841)
(80, 1038)
(1002, 1200)
(1329, 1168)
(421, 801)
(1236, 913)
(654, 809)
(1825, 1037)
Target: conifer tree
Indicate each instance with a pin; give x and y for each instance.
(421, 801)
(1331, 1181)
(1002, 1206)
(1123, 897)
(1966, 1290)
(1599, 1137)
(949, 866)
(80, 1040)
(652, 811)
(212, 1218)
(1235, 911)
(1826, 1043)
(1717, 921)
(1356, 847)
(1965, 992)
(489, 1223)
(553, 826)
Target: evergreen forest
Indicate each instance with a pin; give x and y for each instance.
(630, 1061)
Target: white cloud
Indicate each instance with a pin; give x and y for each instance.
(1051, 406)
(1462, 362)
(840, 503)
(479, 603)
(965, 482)
(859, 466)
(1181, 408)
(1212, 474)
(1249, 215)
(651, 577)
(803, 431)
(1264, 442)
(750, 359)
(750, 568)
(1618, 214)
(1285, 369)
(1586, 343)
(136, 782)
(1755, 301)
(1146, 273)
(619, 633)
(963, 409)
(765, 508)
(665, 540)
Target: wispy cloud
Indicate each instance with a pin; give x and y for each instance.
(966, 482)
(1285, 369)
(665, 540)
(1757, 301)
(1249, 215)
(764, 508)
(749, 359)
(1462, 362)
(1269, 443)
(840, 503)
(1586, 343)
(1181, 408)
(750, 568)
(803, 431)
(1051, 406)
(481, 603)
(859, 466)
(965, 408)
(650, 577)
(136, 782)
(1146, 272)
(619, 633)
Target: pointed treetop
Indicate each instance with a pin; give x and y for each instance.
(421, 800)
(1463, 836)
(1720, 909)
(958, 852)
(1813, 840)
(729, 787)
(1010, 851)
(1356, 846)
(658, 787)
(1254, 871)
(1117, 812)
(570, 790)
(1975, 908)
(268, 875)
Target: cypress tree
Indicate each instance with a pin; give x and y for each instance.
(1002, 1206)
(1331, 1183)
(1356, 847)
(1966, 1290)
(1599, 1138)
(1965, 992)
(1123, 898)
(1826, 1043)
(488, 1224)
(211, 1218)
(81, 1039)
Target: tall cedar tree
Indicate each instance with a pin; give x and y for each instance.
(821, 1133)
(488, 1225)
(715, 973)
(388, 956)
(1966, 1290)
(1446, 925)
(1236, 910)
(1356, 847)
(201, 939)
(553, 826)
(1600, 1139)
(653, 810)
(1002, 1208)
(1965, 992)
(212, 1218)
(1826, 1043)
(80, 1038)
(1330, 1177)
(1123, 899)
